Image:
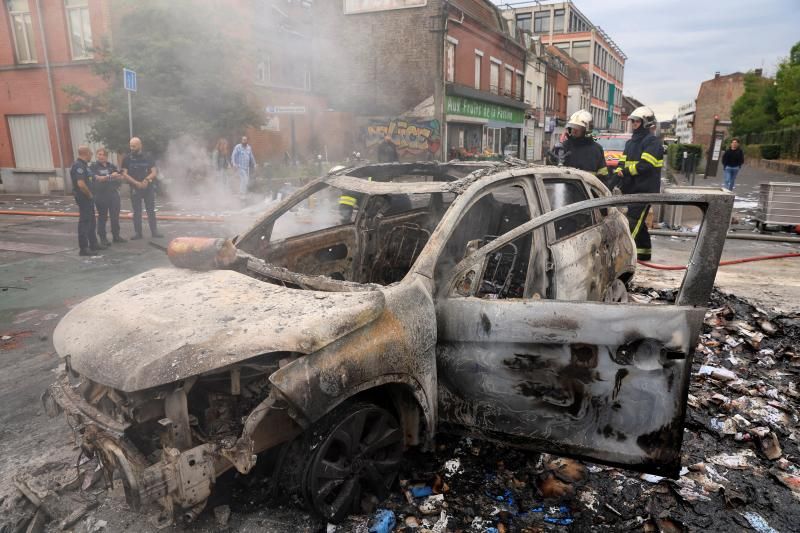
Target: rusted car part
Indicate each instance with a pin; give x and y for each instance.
(200, 253)
(189, 373)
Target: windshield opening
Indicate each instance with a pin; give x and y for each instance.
(349, 236)
(612, 143)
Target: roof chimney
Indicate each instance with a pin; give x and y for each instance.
(716, 75)
(759, 72)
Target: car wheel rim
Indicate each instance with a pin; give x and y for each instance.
(360, 454)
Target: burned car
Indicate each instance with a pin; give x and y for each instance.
(374, 307)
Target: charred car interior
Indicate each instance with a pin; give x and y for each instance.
(374, 307)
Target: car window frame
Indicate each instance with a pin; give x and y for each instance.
(550, 229)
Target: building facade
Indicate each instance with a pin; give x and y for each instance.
(684, 122)
(535, 81)
(443, 79)
(715, 99)
(561, 24)
(45, 47)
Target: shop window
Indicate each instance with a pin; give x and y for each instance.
(22, 31)
(80, 29)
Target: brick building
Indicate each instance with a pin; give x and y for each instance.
(561, 24)
(578, 81)
(440, 77)
(38, 133)
(556, 94)
(715, 98)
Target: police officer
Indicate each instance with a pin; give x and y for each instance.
(140, 171)
(581, 150)
(107, 180)
(82, 183)
(639, 171)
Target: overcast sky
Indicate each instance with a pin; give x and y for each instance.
(673, 45)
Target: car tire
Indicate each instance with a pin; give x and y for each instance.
(355, 450)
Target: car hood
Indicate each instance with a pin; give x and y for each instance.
(169, 324)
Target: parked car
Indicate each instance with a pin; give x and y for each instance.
(374, 307)
(613, 145)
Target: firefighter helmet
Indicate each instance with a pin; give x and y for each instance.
(580, 119)
(645, 114)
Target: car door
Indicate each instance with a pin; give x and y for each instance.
(604, 381)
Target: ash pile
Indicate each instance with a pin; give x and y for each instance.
(740, 455)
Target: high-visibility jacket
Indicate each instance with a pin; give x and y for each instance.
(641, 163)
(346, 199)
(586, 154)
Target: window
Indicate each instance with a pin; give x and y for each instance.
(80, 30)
(580, 51)
(565, 192)
(507, 80)
(494, 78)
(495, 213)
(326, 207)
(541, 22)
(558, 20)
(524, 22)
(264, 70)
(450, 75)
(478, 63)
(539, 102)
(528, 91)
(22, 31)
(30, 139)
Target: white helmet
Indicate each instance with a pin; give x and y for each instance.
(645, 114)
(581, 119)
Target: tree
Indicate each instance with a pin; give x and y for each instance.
(788, 88)
(184, 61)
(757, 109)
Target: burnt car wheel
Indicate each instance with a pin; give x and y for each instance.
(358, 451)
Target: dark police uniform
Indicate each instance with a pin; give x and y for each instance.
(106, 199)
(641, 164)
(585, 153)
(138, 166)
(86, 224)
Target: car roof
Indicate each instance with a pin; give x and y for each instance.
(432, 177)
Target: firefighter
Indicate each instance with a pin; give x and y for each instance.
(348, 202)
(639, 171)
(581, 150)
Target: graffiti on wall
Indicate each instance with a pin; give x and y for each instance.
(410, 136)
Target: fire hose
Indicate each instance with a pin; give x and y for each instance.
(656, 266)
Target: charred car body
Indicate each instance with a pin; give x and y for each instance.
(373, 306)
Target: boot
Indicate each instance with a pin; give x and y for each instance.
(104, 241)
(98, 247)
(88, 252)
(117, 238)
(136, 237)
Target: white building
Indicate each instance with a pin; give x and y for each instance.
(534, 97)
(684, 123)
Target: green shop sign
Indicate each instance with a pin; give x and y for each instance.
(467, 107)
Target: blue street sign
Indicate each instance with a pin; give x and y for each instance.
(130, 79)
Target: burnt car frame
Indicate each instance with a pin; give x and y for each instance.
(487, 298)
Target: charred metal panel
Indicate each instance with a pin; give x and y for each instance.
(589, 379)
(169, 324)
(398, 347)
(325, 253)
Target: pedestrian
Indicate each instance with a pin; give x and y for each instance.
(221, 161)
(387, 151)
(107, 180)
(242, 160)
(732, 161)
(140, 172)
(639, 171)
(82, 184)
(581, 150)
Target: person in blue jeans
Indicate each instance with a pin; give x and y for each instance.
(732, 161)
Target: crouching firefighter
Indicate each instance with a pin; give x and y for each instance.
(639, 171)
(581, 150)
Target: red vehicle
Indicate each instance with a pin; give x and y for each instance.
(613, 144)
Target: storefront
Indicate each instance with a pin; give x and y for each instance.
(477, 128)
